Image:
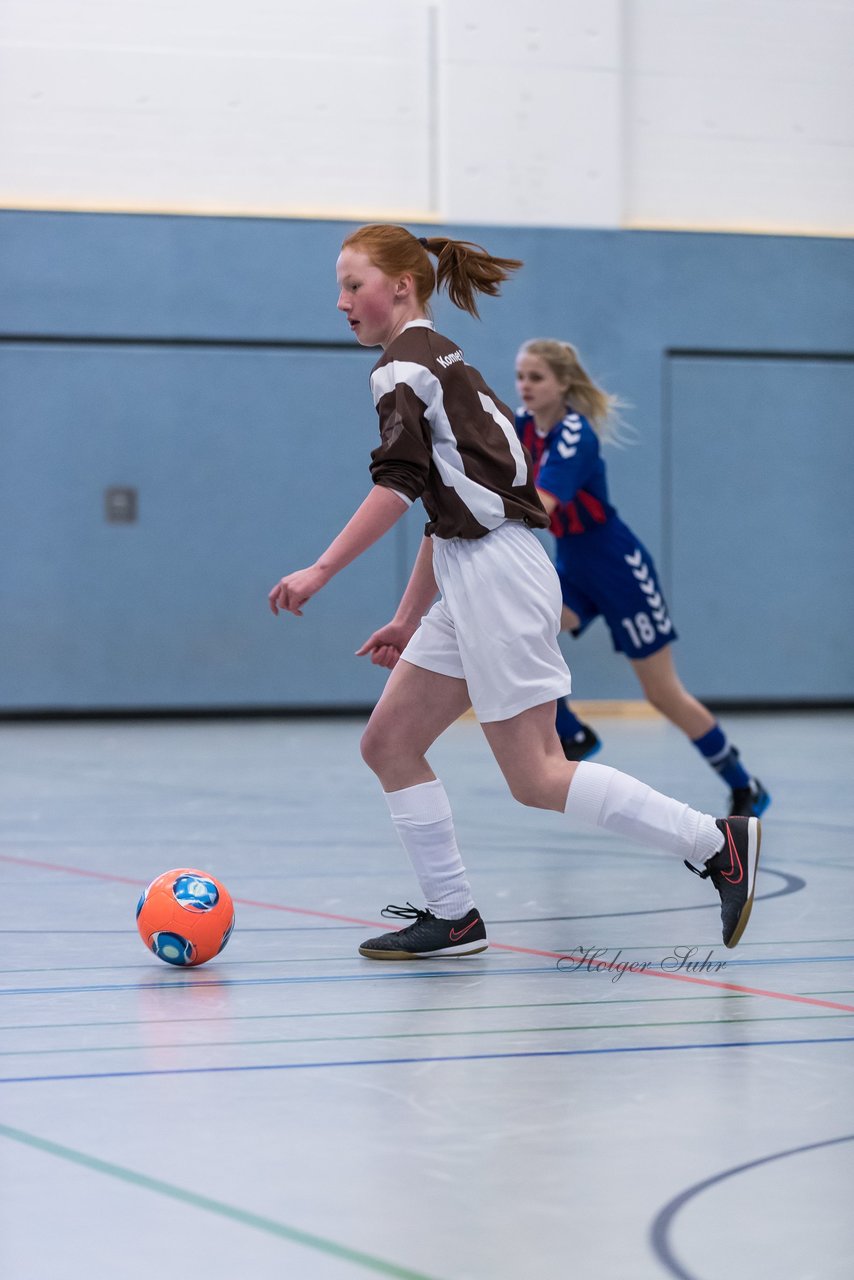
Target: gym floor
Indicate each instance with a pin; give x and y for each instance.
(293, 1109)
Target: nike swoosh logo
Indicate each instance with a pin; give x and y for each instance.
(735, 872)
(457, 934)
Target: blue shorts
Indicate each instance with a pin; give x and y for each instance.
(608, 571)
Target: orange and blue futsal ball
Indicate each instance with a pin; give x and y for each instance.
(185, 916)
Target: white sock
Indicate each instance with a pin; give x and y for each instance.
(617, 802)
(422, 818)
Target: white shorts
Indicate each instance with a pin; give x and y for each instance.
(497, 622)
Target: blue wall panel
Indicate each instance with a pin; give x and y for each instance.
(761, 536)
(240, 478)
(249, 457)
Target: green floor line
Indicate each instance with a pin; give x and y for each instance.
(369, 1013)
(376, 1013)
(417, 1035)
(241, 1216)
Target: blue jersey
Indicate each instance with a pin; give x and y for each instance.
(568, 464)
(608, 572)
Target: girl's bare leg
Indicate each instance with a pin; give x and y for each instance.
(665, 691)
(416, 707)
(529, 755)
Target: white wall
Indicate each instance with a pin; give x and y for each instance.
(226, 106)
(721, 114)
(740, 113)
(531, 112)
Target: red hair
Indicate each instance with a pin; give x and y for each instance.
(463, 269)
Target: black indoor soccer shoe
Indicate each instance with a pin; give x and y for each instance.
(427, 936)
(750, 801)
(732, 871)
(582, 745)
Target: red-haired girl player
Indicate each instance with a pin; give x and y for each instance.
(490, 640)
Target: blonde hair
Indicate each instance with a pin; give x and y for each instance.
(463, 269)
(597, 405)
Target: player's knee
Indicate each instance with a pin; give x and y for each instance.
(371, 749)
(669, 699)
(657, 698)
(377, 747)
(528, 791)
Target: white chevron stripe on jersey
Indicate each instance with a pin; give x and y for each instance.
(567, 442)
(486, 507)
(649, 587)
(651, 591)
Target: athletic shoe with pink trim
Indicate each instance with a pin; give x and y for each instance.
(427, 937)
(732, 871)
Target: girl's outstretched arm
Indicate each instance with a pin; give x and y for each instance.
(381, 509)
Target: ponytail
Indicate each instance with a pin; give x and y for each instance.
(463, 269)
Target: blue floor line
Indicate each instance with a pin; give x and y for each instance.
(384, 975)
(386, 1062)
(633, 952)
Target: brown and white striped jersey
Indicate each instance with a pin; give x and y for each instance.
(448, 440)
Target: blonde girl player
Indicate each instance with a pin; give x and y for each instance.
(603, 567)
(490, 640)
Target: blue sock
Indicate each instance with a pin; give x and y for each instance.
(723, 757)
(567, 724)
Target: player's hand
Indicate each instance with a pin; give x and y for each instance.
(569, 620)
(386, 645)
(292, 592)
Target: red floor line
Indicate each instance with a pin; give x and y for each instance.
(71, 871)
(497, 946)
(683, 977)
(307, 911)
